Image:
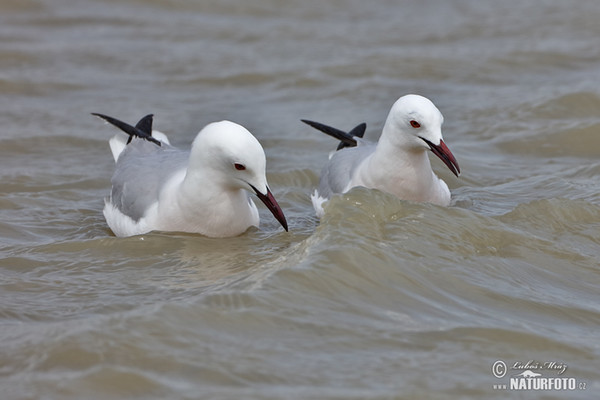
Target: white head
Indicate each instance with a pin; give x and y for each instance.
(235, 160)
(415, 124)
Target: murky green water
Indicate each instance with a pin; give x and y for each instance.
(382, 298)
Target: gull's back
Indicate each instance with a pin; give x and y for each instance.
(141, 171)
(338, 173)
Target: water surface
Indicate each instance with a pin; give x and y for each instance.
(380, 299)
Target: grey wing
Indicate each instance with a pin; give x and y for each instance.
(340, 169)
(141, 171)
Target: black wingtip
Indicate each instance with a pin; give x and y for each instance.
(358, 130)
(347, 139)
(145, 124)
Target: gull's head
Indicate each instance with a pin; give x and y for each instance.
(415, 124)
(234, 159)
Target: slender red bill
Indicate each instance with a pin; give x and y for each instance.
(444, 153)
(272, 205)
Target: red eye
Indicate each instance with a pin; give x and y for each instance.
(415, 124)
(239, 167)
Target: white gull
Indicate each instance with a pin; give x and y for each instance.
(397, 163)
(156, 187)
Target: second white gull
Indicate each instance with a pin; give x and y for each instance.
(397, 163)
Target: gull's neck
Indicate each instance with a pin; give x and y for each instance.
(403, 172)
(207, 205)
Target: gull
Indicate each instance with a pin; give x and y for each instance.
(397, 163)
(206, 190)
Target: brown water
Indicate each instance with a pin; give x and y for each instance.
(382, 299)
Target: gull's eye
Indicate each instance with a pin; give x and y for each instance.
(239, 167)
(415, 124)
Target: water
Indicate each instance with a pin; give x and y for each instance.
(382, 298)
